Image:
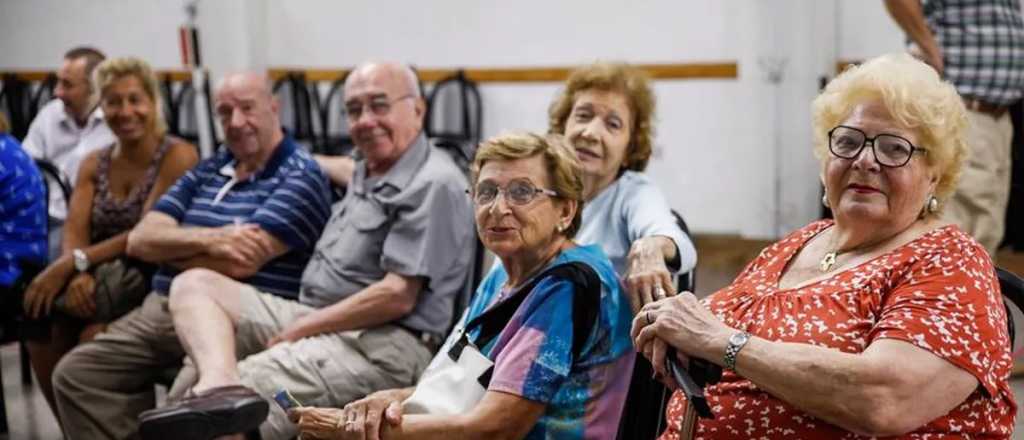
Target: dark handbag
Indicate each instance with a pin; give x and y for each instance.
(121, 286)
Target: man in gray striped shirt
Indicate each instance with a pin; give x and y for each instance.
(978, 45)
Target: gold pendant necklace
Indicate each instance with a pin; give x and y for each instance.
(828, 261)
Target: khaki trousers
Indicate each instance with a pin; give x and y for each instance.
(102, 386)
(978, 205)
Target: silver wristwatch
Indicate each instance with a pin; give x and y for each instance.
(81, 260)
(736, 343)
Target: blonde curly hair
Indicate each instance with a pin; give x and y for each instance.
(915, 96)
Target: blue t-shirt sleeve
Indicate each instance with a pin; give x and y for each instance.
(535, 356)
(297, 210)
(176, 201)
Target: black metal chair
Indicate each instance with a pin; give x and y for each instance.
(333, 138)
(1012, 288)
(455, 116)
(11, 329)
(297, 108)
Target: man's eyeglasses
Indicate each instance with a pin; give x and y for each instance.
(517, 192)
(889, 150)
(379, 105)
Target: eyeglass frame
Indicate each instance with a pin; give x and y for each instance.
(369, 103)
(874, 153)
(503, 191)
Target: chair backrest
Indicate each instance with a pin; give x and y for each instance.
(296, 107)
(1012, 288)
(687, 280)
(21, 100)
(333, 137)
(54, 177)
(455, 115)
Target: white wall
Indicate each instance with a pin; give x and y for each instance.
(732, 155)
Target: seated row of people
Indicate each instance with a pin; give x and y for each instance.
(886, 321)
(380, 271)
(365, 273)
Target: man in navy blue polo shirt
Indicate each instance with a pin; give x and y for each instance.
(252, 213)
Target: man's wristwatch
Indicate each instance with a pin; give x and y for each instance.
(736, 343)
(81, 260)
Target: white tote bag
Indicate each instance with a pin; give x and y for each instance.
(459, 374)
(451, 383)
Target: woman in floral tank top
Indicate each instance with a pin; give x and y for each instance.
(887, 321)
(115, 186)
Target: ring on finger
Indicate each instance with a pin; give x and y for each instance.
(659, 292)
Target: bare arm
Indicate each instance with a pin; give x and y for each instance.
(45, 287)
(891, 388)
(338, 168)
(76, 226)
(391, 298)
(158, 238)
(498, 416)
(909, 17)
(234, 264)
(178, 160)
(648, 270)
(180, 157)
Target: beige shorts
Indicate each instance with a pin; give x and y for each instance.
(326, 370)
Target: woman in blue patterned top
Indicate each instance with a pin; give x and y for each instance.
(527, 196)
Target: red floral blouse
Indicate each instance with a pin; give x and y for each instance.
(938, 292)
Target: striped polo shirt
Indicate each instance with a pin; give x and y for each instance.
(290, 198)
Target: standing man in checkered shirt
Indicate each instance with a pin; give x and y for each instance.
(978, 45)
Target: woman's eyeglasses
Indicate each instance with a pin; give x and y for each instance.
(889, 150)
(517, 192)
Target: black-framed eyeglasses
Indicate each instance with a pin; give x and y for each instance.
(889, 150)
(517, 192)
(379, 105)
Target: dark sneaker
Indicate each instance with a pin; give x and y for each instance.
(218, 411)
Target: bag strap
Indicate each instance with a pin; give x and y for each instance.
(586, 305)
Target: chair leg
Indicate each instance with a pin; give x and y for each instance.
(26, 367)
(3, 408)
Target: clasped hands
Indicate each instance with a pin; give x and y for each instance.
(244, 244)
(363, 419)
(680, 322)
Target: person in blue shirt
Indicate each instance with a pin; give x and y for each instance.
(22, 210)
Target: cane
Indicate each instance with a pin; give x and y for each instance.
(700, 374)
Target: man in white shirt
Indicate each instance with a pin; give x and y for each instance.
(68, 128)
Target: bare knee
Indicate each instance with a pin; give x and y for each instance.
(193, 285)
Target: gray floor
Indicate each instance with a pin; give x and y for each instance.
(30, 419)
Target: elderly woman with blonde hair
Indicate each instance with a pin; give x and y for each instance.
(561, 349)
(115, 186)
(884, 322)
